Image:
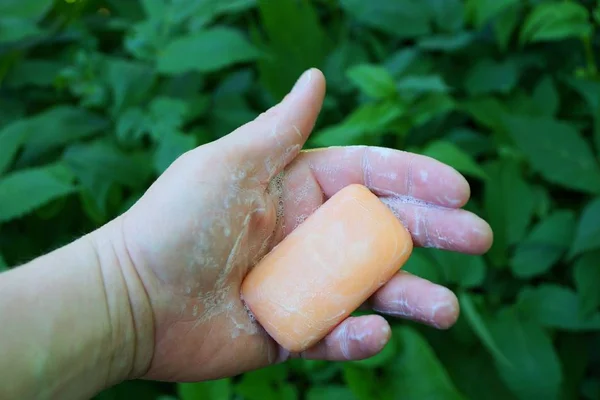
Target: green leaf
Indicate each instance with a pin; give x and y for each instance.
(506, 22)
(11, 110)
(266, 384)
(589, 90)
(447, 15)
(543, 201)
(202, 13)
(3, 265)
(479, 326)
(402, 19)
(488, 76)
(509, 203)
(129, 81)
(106, 162)
(546, 97)
(417, 373)
(471, 142)
(587, 275)
(557, 151)
(155, 9)
(26, 190)
(373, 80)
(100, 165)
(26, 9)
(401, 62)
(170, 148)
(167, 116)
(452, 155)
(421, 264)
(464, 362)
(318, 371)
(56, 127)
(229, 113)
(587, 236)
(345, 56)
(14, 29)
(234, 6)
(18, 18)
(591, 389)
(553, 21)
(206, 51)
(464, 270)
(362, 382)
(330, 392)
(219, 389)
(570, 347)
(422, 84)
(11, 140)
(545, 245)
(195, 14)
(534, 370)
(482, 11)
(138, 389)
(131, 125)
(486, 111)
(448, 42)
(33, 73)
(295, 41)
(430, 107)
(368, 119)
(557, 307)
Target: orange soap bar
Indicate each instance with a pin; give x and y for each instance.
(326, 268)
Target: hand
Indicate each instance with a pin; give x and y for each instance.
(221, 207)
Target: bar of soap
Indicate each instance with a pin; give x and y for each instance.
(326, 268)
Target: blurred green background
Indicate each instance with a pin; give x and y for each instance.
(98, 97)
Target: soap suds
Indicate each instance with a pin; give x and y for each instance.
(384, 153)
(409, 175)
(366, 168)
(401, 306)
(351, 337)
(429, 224)
(344, 341)
(244, 203)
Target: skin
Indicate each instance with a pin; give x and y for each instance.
(155, 293)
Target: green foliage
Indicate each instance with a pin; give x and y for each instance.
(544, 246)
(586, 273)
(26, 190)
(557, 151)
(217, 390)
(555, 21)
(98, 97)
(206, 51)
(533, 367)
(3, 266)
(417, 372)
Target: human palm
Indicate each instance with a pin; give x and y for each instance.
(219, 208)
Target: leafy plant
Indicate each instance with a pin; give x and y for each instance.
(98, 97)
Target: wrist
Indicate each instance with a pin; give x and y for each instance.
(75, 321)
(128, 306)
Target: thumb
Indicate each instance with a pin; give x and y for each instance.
(275, 138)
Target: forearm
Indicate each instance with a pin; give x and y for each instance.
(68, 328)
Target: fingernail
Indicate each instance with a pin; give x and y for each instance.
(444, 316)
(303, 81)
(283, 355)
